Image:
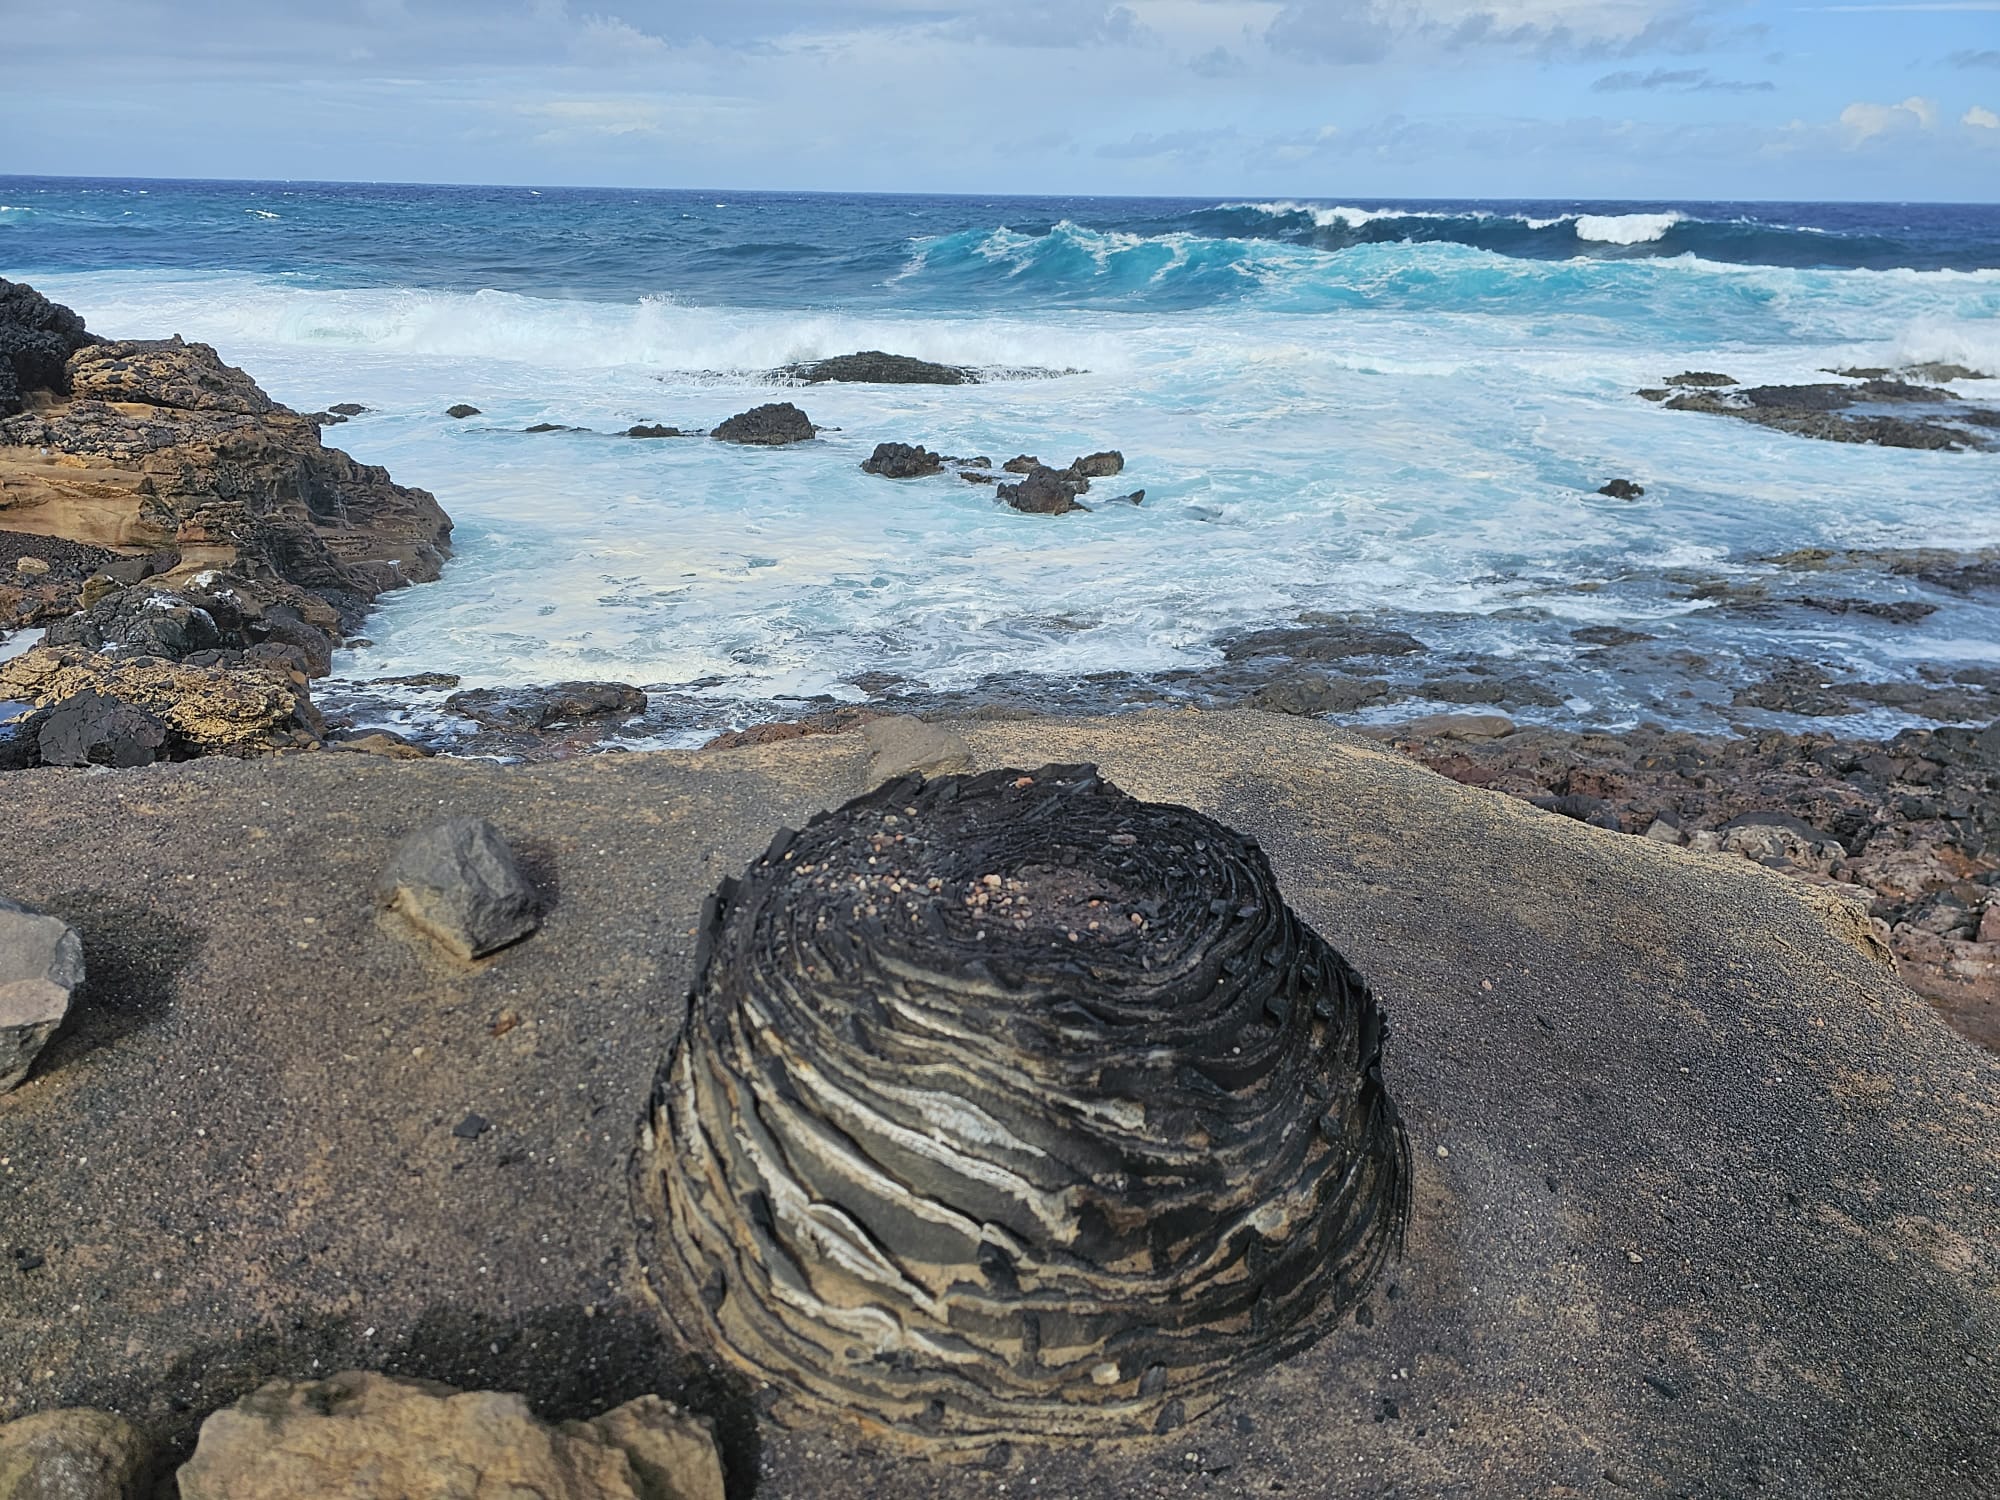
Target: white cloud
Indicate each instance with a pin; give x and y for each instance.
(1864, 121)
(1981, 118)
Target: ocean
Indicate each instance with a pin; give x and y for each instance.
(1397, 412)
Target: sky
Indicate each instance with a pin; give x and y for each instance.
(1609, 99)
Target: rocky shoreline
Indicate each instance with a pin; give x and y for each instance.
(335, 1126)
(193, 555)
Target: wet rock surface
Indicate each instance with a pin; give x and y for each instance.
(1149, 1153)
(41, 966)
(364, 1436)
(1922, 414)
(902, 461)
(873, 367)
(776, 424)
(545, 707)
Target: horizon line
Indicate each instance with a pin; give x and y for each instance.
(1267, 196)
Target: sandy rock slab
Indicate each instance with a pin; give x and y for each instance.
(372, 1437)
(74, 1454)
(1704, 1198)
(41, 964)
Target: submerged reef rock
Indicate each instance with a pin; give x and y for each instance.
(1011, 1106)
(873, 367)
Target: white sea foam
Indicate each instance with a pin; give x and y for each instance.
(260, 213)
(1974, 343)
(658, 333)
(1626, 229)
(1342, 214)
(1431, 444)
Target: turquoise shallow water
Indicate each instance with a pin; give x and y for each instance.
(1395, 410)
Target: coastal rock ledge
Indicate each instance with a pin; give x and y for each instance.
(150, 444)
(186, 539)
(1702, 1196)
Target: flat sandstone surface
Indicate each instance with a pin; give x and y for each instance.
(1705, 1201)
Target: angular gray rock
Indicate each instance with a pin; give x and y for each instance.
(899, 745)
(76, 1453)
(363, 1436)
(41, 964)
(457, 882)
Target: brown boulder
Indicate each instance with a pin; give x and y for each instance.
(372, 1437)
(74, 1454)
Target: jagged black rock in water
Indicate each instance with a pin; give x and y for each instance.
(1009, 1105)
(772, 425)
(873, 367)
(37, 337)
(902, 461)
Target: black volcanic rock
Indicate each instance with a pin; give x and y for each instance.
(540, 707)
(1045, 492)
(773, 425)
(873, 367)
(902, 461)
(37, 337)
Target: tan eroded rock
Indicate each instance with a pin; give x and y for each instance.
(364, 1436)
(244, 709)
(160, 444)
(76, 1453)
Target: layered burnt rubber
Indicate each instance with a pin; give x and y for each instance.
(1011, 1106)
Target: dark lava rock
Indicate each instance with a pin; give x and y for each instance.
(1621, 489)
(873, 367)
(541, 707)
(645, 430)
(1820, 411)
(1608, 635)
(972, 477)
(91, 729)
(1023, 463)
(902, 461)
(551, 427)
(1310, 694)
(37, 337)
(347, 409)
(1099, 465)
(1700, 378)
(462, 411)
(1895, 611)
(41, 965)
(1796, 689)
(457, 882)
(1332, 641)
(1507, 692)
(1137, 497)
(140, 620)
(772, 425)
(1046, 492)
(1124, 1102)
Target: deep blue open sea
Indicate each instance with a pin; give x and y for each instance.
(1401, 410)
